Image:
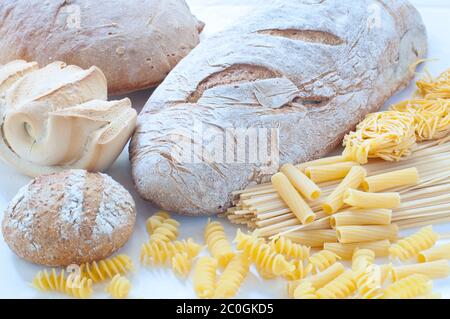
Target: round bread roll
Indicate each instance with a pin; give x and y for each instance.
(135, 42)
(66, 218)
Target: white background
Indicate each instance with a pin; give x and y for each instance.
(16, 274)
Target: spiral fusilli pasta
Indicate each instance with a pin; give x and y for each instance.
(367, 275)
(409, 287)
(218, 244)
(72, 285)
(205, 273)
(262, 255)
(181, 264)
(299, 272)
(341, 287)
(107, 269)
(411, 246)
(119, 287)
(160, 252)
(289, 249)
(362, 258)
(155, 221)
(166, 231)
(321, 261)
(234, 274)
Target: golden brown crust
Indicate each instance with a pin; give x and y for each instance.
(68, 218)
(135, 43)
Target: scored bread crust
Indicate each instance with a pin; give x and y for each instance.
(310, 69)
(134, 42)
(67, 218)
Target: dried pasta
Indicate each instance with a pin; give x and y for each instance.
(341, 287)
(293, 199)
(181, 264)
(388, 135)
(434, 269)
(119, 287)
(289, 249)
(166, 231)
(321, 261)
(155, 221)
(301, 182)
(318, 280)
(305, 290)
(327, 173)
(260, 253)
(360, 199)
(409, 287)
(411, 246)
(361, 217)
(359, 234)
(435, 88)
(323, 161)
(299, 272)
(107, 269)
(232, 278)
(205, 273)
(435, 253)
(218, 244)
(362, 258)
(335, 200)
(368, 278)
(431, 117)
(160, 252)
(382, 182)
(345, 251)
(73, 285)
(313, 238)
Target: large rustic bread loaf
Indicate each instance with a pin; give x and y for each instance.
(135, 42)
(68, 218)
(307, 70)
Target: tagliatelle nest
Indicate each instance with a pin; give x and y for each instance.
(433, 89)
(388, 135)
(431, 117)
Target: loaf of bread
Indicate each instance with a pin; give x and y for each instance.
(297, 75)
(57, 117)
(68, 218)
(135, 42)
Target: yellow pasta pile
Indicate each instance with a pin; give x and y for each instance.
(79, 281)
(392, 135)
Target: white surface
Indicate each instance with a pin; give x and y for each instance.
(16, 274)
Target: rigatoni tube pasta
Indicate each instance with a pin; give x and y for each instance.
(382, 182)
(357, 234)
(435, 269)
(346, 251)
(335, 200)
(323, 161)
(360, 199)
(301, 182)
(293, 199)
(356, 216)
(435, 253)
(313, 238)
(332, 172)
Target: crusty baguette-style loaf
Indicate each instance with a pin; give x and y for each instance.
(303, 72)
(135, 42)
(66, 218)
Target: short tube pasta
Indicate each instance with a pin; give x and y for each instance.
(433, 270)
(435, 253)
(301, 182)
(323, 161)
(382, 182)
(361, 217)
(313, 238)
(346, 251)
(293, 199)
(335, 200)
(326, 173)
(360, 199)
(358, 234)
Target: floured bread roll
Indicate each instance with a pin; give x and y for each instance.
(68, 218)
(57, 117)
